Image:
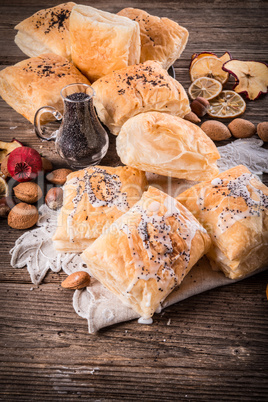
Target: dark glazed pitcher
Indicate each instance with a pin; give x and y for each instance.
(81, 139)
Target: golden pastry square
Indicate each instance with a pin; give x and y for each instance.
(233, 208)
(46, 31)
(36, 82)
(148, 251)
(161, 38)
(102, 42)
(94, 198)
(137, 89)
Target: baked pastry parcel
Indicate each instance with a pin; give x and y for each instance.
(168, 145)
(36, 82)
(102, 42)
(93, 199)
(233, 207)
(46, 31)
(161, 38)
(148, 251)
(141, 88)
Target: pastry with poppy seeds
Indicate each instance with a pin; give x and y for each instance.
(135, 89)
(36, 82)
(46, 31)
(148, 251)
(93, 199)
(233, 207)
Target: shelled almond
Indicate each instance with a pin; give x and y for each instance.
(77, 280)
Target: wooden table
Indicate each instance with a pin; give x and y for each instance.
(215, 348)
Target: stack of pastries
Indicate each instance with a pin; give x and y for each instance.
(137, 241)
(141, 244)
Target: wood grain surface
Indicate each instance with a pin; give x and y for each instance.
(216, 346)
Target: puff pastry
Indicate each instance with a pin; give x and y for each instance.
(37, 82)
(234, 209)
(93, 199)
(102, 42)
(136, 89)
(46, 31)
(148, 251)
(161, 38)
(167, 145)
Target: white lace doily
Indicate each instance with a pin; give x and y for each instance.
(247, 152)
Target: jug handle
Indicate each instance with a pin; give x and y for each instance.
(37, 124)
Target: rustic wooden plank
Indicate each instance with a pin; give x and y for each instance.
(215, 347)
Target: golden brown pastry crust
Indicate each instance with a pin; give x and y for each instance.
(167, 145)
(93, 199)
(37, 82)
(102, 42)
(147, 251)
(234, 209)
(136, 89)
(161, 38)
(46, 31)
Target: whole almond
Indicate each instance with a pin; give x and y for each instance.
(262, 130)
(58, 176)
(54, 198)
(22, 216)
(77, 280)
(28, 192)
(46, 165)
(200, 106)
(192, 117)
(216, 130)
(241, 128)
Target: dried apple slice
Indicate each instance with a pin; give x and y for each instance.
(225, 57)
(7, 147)
(251, 77)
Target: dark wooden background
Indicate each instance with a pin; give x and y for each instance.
(215, 348)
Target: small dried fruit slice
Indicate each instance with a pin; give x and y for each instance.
(3, 188)
(251, 77)
(7, 147)
(227, 104)
(197, 56)
(208, 66)
(205, 87)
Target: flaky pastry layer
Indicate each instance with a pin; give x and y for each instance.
(46, 31)
(147, 251)
(167, 145)
(233, 208)
(36, 82)
(137, 89)
(102, 42)
(161, 38)
(93, 199)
